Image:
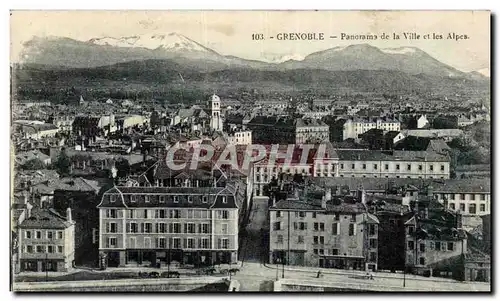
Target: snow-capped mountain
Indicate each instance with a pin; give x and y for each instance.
(286, 57)
(484, 71)
(399, 50)
(171, 42)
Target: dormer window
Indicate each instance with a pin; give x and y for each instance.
(190, 200)
(176, 199)
(146, 198)
(112, 198)
(162, 199)
(133, 198)
(224, 200)
(205, 199)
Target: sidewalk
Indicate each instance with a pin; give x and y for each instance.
(360, 273)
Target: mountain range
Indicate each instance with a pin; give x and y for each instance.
(96, 52)
(146, 62)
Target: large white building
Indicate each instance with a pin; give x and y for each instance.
(215, 117)
(311, 131)
(356, 126)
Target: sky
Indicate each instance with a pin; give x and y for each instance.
(230, 32)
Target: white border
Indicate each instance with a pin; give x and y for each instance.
(190, 4)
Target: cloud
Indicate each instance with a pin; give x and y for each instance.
(226, 29)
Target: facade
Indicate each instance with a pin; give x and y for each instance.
(151, 226)
(329, 232)
(356, 126)
(239, 137)
(46, 241)
(311, 131)
(215, 117)
(467, 196)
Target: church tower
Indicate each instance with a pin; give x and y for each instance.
(215, 118)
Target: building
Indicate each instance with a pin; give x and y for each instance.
(157, 225)
(46, 241)
(311, 131)
(215, 117)
(321, 230)
(445, 134)
(35, 130)
(353, 127)
(239, 137)
(272, 130)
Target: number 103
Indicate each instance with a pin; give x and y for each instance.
(257, 36)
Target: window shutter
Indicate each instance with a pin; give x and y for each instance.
(295, 225)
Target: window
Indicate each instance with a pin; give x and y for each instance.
(160, 213)
(452, 196)
(146, 198)
(59, 234)
(176, 242)
(482, 207)
(462, 207)
(352, 229)
(175, 213)
(161, 228)
(29, 249)
(442, 167)
(27, 234)
(316, 226)
(353, 166)
(280, 239)
(386, 166)
(148, 227)
(145, 213)
(422, 247)
(133, 198)
(50, 249)
(315, 251)
(397, 166)
(223, 214)
(161, 243)
(277, 226)
(375, 166)
(472, 208)
(450, 246)
(431, 167)
(315, 240)
(337, 216)
(409, 167)
(278, 213)
(204, 228)
(224, 200)
(322, 240)
(420, 167)
(462, 196)
(175, 228)
(111, 213)
(204, 199)
(364, 166)
(190, 228)
(162, 199)
(335, 251)
(341, 166)
(411, 245)
(302, 214)
(40, 249)
(130, 213)
(59, 249)
(111, 242)
(190, 243)
(302, 226)
(300, 239)
(133, 228)
(411, 229)
(111, 227)
(372, 229)
(205, 243)
(321, 251)
(176, 199)
(437, 245)
(353, 217)
(373, 256)
(335, 228)
(314, 214)
(49, 234)
(482, 196)
(321, 226)
(422, 260)
(225, 243)
(452, 206)
(38, 234)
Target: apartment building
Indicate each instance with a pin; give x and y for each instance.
(311, 131)
(151, 226)
(392, 164)
(467, 196)
(239, 137)
(332, 232)
(354, 127)
(46, 241)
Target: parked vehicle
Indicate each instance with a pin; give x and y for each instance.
(171, 274)
(210, 271)
(154, 275)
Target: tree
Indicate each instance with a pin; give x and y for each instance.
(62, 163)
(33, 164)
(123, 168)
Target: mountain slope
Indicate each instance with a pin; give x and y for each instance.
(362, 56)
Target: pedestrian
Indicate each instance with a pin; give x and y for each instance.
(319, 274)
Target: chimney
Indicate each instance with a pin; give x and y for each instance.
(430, 190)
(68, 215)
(459, 221)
